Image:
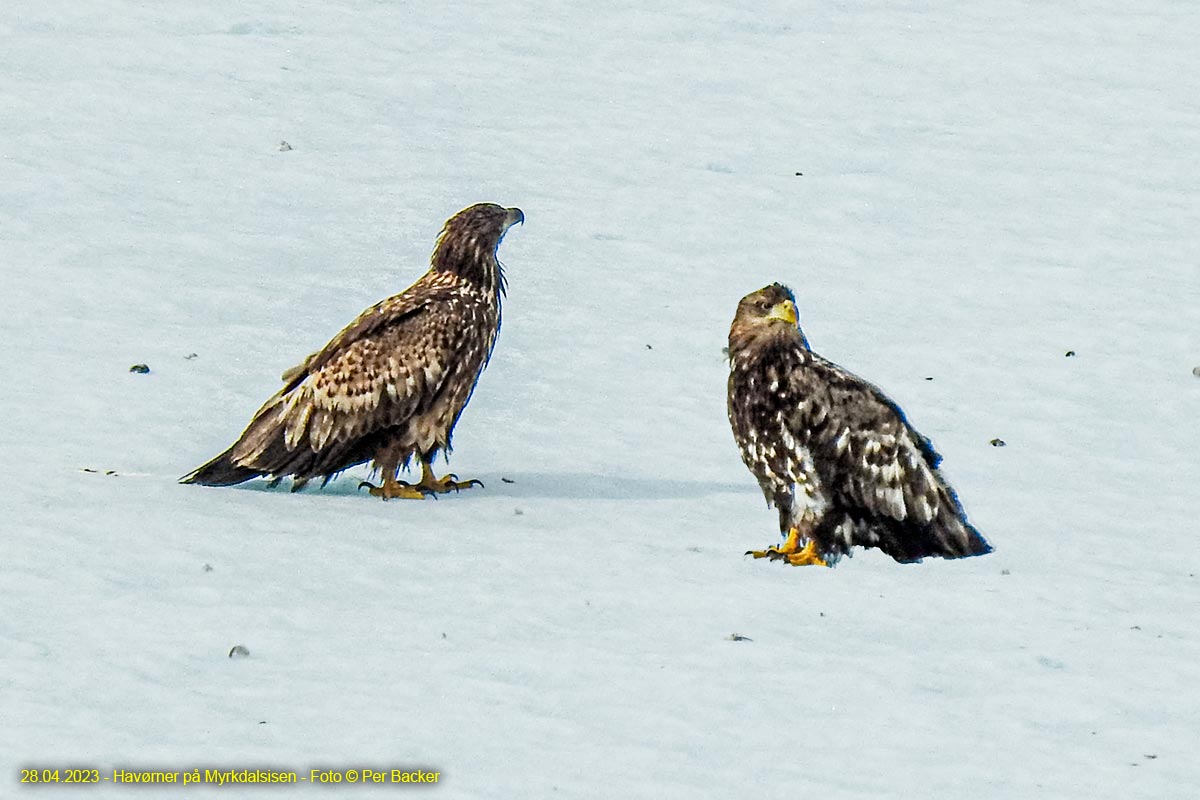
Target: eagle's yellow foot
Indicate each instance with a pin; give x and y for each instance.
(393, 489)
(791, 552)
(449, 483)
(789, 546)
(805, 557)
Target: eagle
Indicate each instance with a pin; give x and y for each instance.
(392, 384)
(832, 452)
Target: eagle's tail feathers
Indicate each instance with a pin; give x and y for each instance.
(262, 450)
(949, 535)
(959, 538)
(259, 451)
(221, 471)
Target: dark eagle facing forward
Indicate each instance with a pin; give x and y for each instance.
(392, 384)
(831, 451)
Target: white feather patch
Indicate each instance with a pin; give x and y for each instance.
(924, 509)
(322, 427)
(891, 473)
(892, 499)
(294, 432)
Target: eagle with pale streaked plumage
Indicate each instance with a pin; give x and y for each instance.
(831, 452)
(392, 384)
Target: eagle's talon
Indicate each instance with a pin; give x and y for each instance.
(791, 552)
(771, 553)
(448, 483)
(392, 489)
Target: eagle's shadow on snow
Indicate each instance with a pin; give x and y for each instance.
(586, 486)
(544, 485)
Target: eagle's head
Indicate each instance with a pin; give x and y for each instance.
(768, 315)
(468, 242)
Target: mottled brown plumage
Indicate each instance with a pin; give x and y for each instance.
(392, 384)
(830, 451)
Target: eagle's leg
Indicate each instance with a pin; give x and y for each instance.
(791, 552)
(450, 483)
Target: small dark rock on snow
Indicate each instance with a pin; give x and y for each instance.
(140, 369)
(238, 651)
(997, 443)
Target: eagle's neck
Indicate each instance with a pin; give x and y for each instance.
(472, 258)
(754, 343)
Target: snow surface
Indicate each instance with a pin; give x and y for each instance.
(985, 187)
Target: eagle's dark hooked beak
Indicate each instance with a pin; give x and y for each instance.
(514, 216)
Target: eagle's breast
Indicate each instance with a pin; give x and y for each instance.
(771, 425)
(475, 316)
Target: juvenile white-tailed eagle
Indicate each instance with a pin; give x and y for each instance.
(831, 452)
(392, 384)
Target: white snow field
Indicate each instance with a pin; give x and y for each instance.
(986, 186)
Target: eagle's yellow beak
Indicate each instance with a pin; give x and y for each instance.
(784, 312)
